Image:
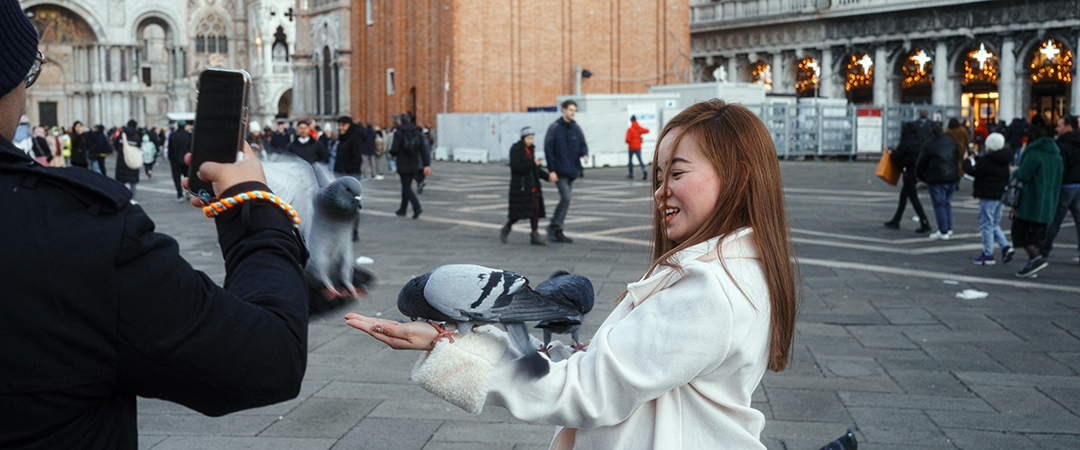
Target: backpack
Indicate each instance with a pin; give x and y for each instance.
(411, 143)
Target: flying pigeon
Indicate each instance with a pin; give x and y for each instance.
(468, 294)
(329, 211)
(572, 289)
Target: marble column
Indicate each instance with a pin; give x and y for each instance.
(940, 91)
(881, 77)
(826, 81)
(779, 78)
(1007, 82)
(1074, 103)
(733, 69)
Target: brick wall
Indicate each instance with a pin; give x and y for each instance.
(507, 56)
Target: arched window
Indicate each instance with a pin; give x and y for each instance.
(762, 74)
(980, 66)
(1052, 62)
(211, 36)
(916, 69)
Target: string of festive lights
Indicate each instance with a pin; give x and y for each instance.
(1052, 63)
(917, 69)
(860, 71)
(762, 74)
(808, 75)
(981, 66)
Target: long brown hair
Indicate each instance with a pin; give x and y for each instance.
(739, 146)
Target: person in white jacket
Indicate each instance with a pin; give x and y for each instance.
(676, 362)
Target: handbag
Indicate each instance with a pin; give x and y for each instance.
(886, 170)
(133, 156)
(1011, 197)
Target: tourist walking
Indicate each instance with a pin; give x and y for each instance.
(1068, 141)
(1040, 171)
(904, 157)
(633, 142)
(179, 146)
(991, 172)
(347, 160)
(126, 175)
(564, 147)
(526, 197)
(413, 156)
(938, 165)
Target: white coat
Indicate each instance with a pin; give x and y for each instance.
(673, 366)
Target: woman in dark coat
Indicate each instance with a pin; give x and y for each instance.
(526, 199)
(124, 174)
(904, 157)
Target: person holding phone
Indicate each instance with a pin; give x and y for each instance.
(676, 362)
(135, 319)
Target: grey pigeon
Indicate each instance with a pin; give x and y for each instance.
(468, 295)
(571, 289)
(329, 211)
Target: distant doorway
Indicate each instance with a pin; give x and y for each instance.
(1051, 75)
(284, 105)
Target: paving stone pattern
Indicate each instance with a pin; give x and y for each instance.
(882, 344)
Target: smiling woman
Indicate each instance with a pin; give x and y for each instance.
(677, 361)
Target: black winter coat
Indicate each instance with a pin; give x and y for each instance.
(81, 145)
(125, 174)
(98, 308)
(938, 162)
(408, 163)
(1069, 144)
(350, 145)
(525, 175)
(179, 145)
(991, 172)
(313, 151)
(1014, 133)
(907, 151)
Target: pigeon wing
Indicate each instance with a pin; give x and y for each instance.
(569, 290)
(471, 292)
(294, 180)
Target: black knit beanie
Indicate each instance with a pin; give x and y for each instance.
(18, 45)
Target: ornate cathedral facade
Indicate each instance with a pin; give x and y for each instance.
(1004, 59)
(110, 61)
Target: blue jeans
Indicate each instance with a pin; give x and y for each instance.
(941, 198)
(1068, 202)
(990, 225)
(565, 186)
(630, 164)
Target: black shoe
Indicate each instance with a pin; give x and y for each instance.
(534, 239)
(1032, 267)
(416, 213)
(644, 176)
(892, 225)
(631, 176)
(924, 227)
(504, 232)
(560, 237)
(400, 213)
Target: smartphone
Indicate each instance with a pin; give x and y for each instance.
(221, 116)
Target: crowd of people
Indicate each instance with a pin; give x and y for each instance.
(1039, 159)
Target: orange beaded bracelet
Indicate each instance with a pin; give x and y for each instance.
(220, 206)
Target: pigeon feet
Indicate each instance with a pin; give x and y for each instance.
(443, 333)
(579, 346)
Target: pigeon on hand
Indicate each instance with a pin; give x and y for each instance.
(571, 289)
(329, 218)
(468, 294)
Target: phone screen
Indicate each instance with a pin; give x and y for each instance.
(219, 123)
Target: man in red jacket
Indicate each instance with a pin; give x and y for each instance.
(633, 139)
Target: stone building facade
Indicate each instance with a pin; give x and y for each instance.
(321, 62)
(1005, 59)
(110, 61)
(438, 56)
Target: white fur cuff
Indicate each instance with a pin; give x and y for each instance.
(458, 372)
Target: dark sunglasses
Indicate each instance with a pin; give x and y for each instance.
(35, 69)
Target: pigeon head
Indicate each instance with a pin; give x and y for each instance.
(575, 289)
(413, 304)
(340, 199)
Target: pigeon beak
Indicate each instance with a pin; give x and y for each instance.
(358, 205)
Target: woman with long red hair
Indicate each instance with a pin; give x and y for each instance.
(676, 362)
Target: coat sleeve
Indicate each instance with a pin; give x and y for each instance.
(584, 149)
(686, 329)
(425, 151)
(1027, 169)
(214, 349)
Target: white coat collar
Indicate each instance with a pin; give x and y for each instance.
(735, 245)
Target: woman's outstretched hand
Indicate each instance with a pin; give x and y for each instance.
(400, 336)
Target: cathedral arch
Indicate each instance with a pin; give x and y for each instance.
(76, 8)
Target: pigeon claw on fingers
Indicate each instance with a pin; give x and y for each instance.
(443, 333)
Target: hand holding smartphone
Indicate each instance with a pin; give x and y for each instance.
(220, 121)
